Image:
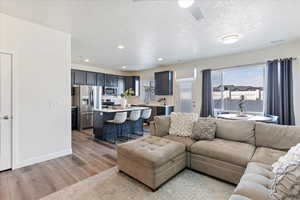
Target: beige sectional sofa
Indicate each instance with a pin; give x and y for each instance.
(242, 153)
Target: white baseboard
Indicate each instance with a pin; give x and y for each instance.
(43, 158)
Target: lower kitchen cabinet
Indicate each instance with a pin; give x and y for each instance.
(74, 118)
(166, 110)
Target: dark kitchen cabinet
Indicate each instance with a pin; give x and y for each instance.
(163, 83)
(164, 110)
(74, 118)
(128, 82)
(100, 79)
(91, 78)
(79, 77)
(72, 77)
(111, 80)
(133, 82)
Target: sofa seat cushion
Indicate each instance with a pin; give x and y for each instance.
(260, 169)
(266, 155)
(228, 151)
(252, 190)
(256, 182)
(187, 141)
(238, 197)
(151, 151)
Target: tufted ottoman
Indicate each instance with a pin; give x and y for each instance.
(151, 160)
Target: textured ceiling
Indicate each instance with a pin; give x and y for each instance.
(150, 30)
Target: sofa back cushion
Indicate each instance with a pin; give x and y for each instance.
(236, 130)
(162, 125)
(276, 136)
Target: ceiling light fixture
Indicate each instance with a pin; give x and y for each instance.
(124, 67)
(121, 47)
(87, 60)
(277, 41)
(185, 3)
(230, 39)
(160, 59)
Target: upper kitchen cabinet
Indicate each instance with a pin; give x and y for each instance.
(79, 77)
(163, 83)
(111, 80)
(72, 77)
(128, 82)
(133, 82)
(100, 79)
(91, 78)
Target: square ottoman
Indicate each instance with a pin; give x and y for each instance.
(151, 160)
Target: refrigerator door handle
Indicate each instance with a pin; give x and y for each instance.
(92, 98)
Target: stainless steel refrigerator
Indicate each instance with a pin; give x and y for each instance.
(87, 99)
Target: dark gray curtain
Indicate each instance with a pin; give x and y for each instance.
(280, 91)
(273, 96)
(286, 87)
(206, 108)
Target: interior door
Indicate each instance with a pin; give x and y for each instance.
(5, 112)
(184, 95)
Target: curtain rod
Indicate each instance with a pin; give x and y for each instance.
(244, 65)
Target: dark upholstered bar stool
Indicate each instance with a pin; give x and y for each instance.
(146, 114)
(117, 124)
(134, 116)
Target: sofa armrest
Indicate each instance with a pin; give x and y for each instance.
(160, 126)
(152, 129)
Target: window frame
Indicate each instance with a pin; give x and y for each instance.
(222, 70)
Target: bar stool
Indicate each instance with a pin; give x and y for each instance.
(134, 116)
(118, 122)
(145, 115)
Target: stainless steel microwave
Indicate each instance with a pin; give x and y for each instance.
(111, 91)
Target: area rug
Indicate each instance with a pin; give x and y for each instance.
(112, 185)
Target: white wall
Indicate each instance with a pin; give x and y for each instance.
(42, 99)
(291, 49)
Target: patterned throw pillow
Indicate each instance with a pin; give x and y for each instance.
(204, 129)
(182, 124)
(286, 184)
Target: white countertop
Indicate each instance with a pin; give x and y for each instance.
(110, 110)
(247, 117)
(153, 105)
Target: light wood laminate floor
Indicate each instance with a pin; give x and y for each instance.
(36, 181)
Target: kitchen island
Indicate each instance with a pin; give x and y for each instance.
(102, 115)
(157, 109)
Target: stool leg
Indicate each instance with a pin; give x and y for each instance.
(116, 133)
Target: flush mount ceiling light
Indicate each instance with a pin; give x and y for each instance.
(277, 41)
(124, 67)
(185, 3)
(160, 59)
(230, 39)
(87, 60)
(121, 46)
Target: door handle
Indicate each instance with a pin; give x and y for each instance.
(5, 117)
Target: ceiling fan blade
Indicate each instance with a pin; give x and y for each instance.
(196, 12)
